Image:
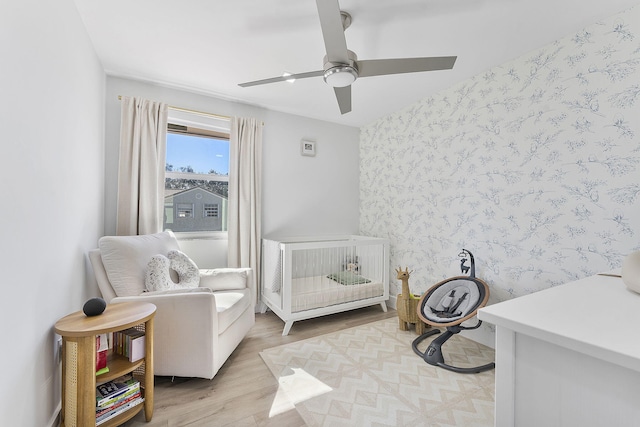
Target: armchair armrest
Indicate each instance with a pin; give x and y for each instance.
(186, 331)
(224, 279)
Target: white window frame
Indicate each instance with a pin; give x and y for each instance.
(215, 208)
(202, 121)
(184, 207)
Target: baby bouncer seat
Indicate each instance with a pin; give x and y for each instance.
(446, 305)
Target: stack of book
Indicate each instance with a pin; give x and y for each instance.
(129, 343)
(117, 396)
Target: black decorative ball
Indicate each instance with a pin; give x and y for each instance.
(94, 306)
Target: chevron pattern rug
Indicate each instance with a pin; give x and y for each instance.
(370, 376)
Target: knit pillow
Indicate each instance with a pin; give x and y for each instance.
(158, 276)
(188, 272)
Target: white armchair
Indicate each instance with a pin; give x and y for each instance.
(196, 329)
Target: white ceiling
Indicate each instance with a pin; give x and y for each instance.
(209, 46)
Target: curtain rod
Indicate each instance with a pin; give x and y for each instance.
(186, 110)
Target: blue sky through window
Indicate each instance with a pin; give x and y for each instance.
(201, 153)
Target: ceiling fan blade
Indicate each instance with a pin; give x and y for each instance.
(332, 31)
(343, 95)
(284, 78)
(380, 67)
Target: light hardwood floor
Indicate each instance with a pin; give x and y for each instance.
(241, 393)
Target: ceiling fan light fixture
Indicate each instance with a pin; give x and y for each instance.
(340, 76)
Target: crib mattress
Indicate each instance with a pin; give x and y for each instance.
(319, 291)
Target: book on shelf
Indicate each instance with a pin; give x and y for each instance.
(102, 345)
(130, 343)
(120, 410)
(102, 411)
(115, 388)
(102, 371)
(137, 350)
(118, 398)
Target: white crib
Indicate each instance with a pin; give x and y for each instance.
(307, 277)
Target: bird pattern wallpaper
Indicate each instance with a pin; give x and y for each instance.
(533, 166)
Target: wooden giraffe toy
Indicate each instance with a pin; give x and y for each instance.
(407, 304)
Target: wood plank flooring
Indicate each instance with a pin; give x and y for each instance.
(241, 393)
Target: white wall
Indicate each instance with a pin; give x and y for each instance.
(301, 195)
(52, 146)
(533, 166)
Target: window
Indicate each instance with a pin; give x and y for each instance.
(197, 174)
(185, 210)
(210, 210)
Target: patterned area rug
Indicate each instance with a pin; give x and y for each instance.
(370, 376)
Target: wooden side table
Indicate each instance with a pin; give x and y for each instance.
(79, 361)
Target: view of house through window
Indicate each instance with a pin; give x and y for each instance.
(197, 180)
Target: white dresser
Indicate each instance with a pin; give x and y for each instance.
(568, 356)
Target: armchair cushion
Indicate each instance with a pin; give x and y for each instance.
(125, 259)
(230, 305)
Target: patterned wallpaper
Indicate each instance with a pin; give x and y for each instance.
(533, 166)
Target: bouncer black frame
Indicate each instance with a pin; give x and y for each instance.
(433, 354)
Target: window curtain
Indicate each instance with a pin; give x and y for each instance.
(245, 195)
(143, 143)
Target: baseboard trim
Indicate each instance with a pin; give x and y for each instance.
(55, 420)
(393, 302)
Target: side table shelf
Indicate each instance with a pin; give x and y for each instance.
(79, 361)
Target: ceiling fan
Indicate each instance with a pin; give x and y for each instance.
(342, 67)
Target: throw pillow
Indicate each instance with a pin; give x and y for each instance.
(157, 277)
(159, 268)
(348, 278)
(188, 273)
